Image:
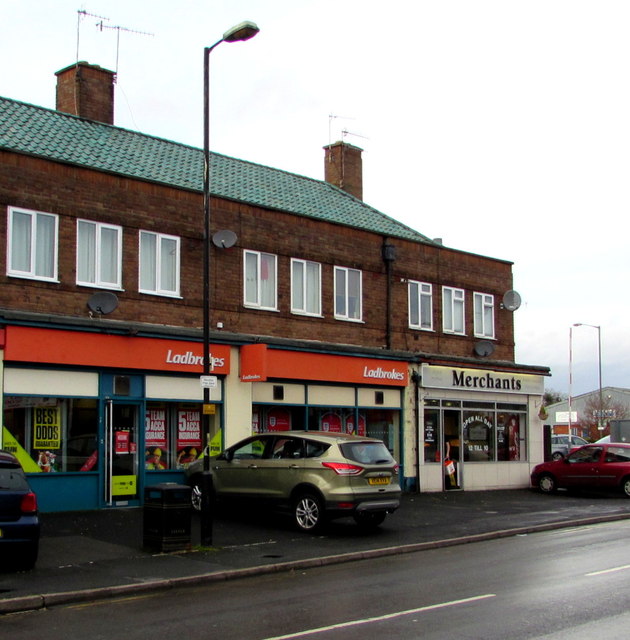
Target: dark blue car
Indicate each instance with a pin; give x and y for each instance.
(19, 522)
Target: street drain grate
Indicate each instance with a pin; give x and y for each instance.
(272, 555)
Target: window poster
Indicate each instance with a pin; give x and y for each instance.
(155, 439)
(47, 437)
(330, 422)
(188, 437)
(350, 425)
(278, 420)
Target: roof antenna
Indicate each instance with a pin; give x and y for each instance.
(102, 26)
(84, 14)
(331, 117)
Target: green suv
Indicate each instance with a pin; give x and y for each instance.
(315, 474)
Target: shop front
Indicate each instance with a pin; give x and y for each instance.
(479, 429)
(325, 392)
(95, 417)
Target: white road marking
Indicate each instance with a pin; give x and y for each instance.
(613, 570)
(388, 616)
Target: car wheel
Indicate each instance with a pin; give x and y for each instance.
(625, 485)
(547, 483)
(308, 512)
(27, 561)
(369, 519)
(556, 456)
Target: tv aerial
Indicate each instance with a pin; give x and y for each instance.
(103, 302)
(511, 300)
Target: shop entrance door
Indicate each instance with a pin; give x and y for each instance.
(452, 438)
(121, 453)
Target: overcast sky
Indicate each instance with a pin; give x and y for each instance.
(501, 126)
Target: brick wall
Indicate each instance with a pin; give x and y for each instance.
(75, 193)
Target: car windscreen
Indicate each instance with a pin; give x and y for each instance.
(367, 452)
(12, 479)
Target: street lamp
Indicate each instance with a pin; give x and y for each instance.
(601, 399)
(242, 31)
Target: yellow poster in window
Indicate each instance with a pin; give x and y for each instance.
(124, 485)
(46, 428)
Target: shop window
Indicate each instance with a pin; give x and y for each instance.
(173, 435)
(277, 418)
(306, 287)
(278, 392)
(99, 251)
(484, 315)
(420, 305)
(159, 264)
(453, 310)
(478, 432)
(432, 435)
(32, 250)
(52, 435)
(347, 294)
(260, 271)
(511, 429)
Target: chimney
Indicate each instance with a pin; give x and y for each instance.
(344, 168)
(87, 91)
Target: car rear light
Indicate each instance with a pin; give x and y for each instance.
(343, 468)
(29, 503)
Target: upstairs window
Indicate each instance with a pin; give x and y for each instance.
(159, 264)
(348, 294)
(484, 315)
(260, 280)
(420, 305)
(99, 251)
(32, 250)
(453, 310)
(306, 287)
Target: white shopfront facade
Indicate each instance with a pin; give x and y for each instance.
(478, 429)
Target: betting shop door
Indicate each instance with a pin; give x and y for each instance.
(121, 452)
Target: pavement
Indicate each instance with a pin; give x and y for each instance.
(101, 554)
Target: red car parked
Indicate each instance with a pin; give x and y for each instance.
(603, 466)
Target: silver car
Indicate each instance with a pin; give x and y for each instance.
(561, 446)
(315, 475)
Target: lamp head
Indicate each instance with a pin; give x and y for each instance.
(242, 31)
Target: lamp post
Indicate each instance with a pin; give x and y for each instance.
(240, 32)
(599, 340)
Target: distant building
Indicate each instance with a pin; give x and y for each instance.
(325, 314)
(584, 418)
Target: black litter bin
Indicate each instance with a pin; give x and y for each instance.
(167, 517)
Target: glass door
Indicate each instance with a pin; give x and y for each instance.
(452, 449)
(121, 452)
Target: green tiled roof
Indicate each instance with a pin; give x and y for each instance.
(60, 137)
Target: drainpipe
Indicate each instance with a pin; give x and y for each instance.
(417, 379)
(389, 256)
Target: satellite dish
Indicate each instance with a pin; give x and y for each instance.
(103, 302)
(511, 300)
(484, 348)
(224, 239)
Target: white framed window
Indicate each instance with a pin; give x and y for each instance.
(484, 315)
(453, 319)
(99, 254)
(420, 305)
(260, 288)
(348, 295)
(306, 287)
(32, 244)
(159, 264)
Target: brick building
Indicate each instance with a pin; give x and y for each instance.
(325, 313)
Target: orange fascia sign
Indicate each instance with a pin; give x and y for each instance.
(83, 348)
(258, 363)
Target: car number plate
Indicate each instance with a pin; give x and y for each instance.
(382, 480)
